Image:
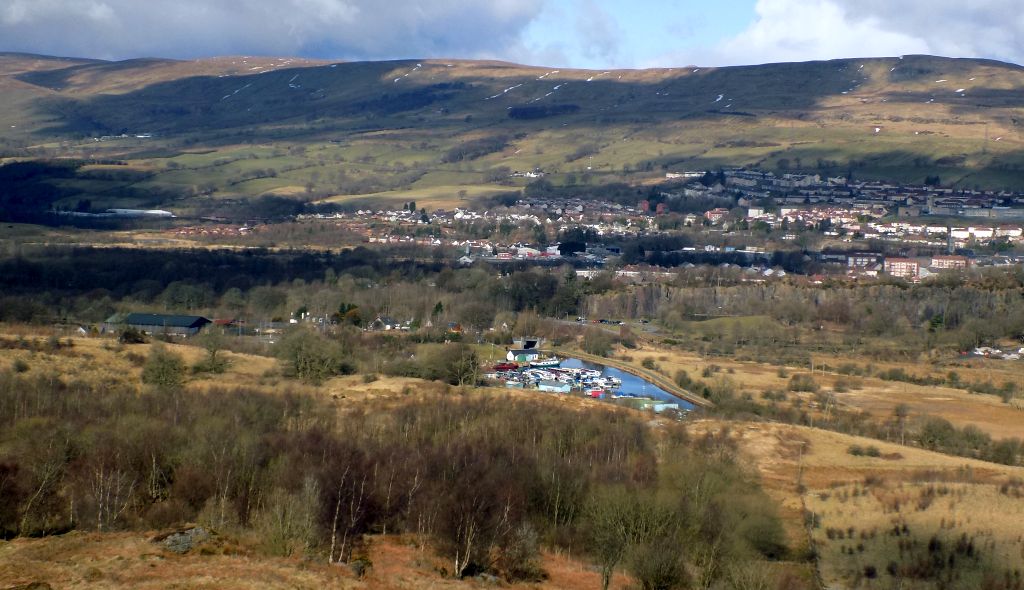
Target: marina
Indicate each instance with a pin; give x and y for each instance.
(575, 376)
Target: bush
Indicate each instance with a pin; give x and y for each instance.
(597, 342)
(131, 336)
(20, 366)
(803, 382)
(518, 560)
(683, 379)
(456, 364)
(360, 566)
(213, 342)
(135, 358)
(868, 451)
(287, 524)
(311, 357)
(659, 566)
(163, 369)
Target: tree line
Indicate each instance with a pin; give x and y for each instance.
(957, 311)
(349, 287)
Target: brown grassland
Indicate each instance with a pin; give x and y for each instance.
(131, 560)
(877, 396)
(809, 471)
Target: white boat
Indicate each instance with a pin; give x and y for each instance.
(551, 361)
(539, 375)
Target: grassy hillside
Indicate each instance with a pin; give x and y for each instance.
(231, 127)
(846, 508)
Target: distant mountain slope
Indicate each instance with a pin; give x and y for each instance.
(901, 118)
(248, 91)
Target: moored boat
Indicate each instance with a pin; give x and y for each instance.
(551, 361)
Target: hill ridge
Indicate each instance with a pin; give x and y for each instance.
(896, 118)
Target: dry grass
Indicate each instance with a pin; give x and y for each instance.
(876, 396)
(870, 526)
(798, 464)
(130, 560)
(104, 360)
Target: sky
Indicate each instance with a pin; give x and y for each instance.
(593, 34)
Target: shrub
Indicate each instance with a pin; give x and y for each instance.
(456, 364)
(360, 566)
(20, 366)
(659, 566)
(597, 342)
(131, 336)
(287, 524)
(868, 451)
(802, 382)
(135, 358)
(518, 560)
(163, 369)
(1008, 391)
(682, 379)
(311, 357)
(213, 342)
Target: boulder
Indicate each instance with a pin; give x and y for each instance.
(183, 540)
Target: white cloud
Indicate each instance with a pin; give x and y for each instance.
(976, 28)
(550, 32)
(597, 32)
(354, 29)
(800, 30)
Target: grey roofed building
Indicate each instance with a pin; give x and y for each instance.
(156, 323)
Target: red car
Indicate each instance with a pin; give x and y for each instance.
(506, 367)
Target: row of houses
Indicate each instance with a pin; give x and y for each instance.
(913, 269)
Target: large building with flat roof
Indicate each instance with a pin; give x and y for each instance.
(157, 323)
